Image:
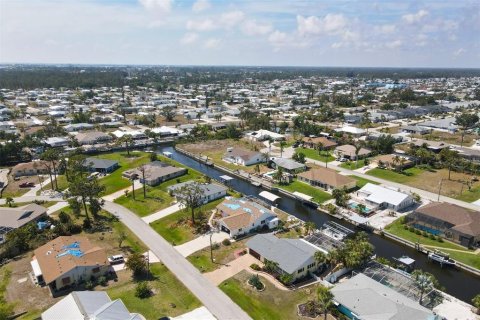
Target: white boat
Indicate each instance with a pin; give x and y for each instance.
(441, 258)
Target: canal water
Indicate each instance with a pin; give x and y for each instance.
(459, 284)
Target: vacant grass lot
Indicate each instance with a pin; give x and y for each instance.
(222, 255)
(272, 303)
(452, 138)
(317, 194)
(362, 181)
(176, 228)
(407, 176)
(465, 255)
(324, 156)
(170, 297)
(352, 165)
(157, 197)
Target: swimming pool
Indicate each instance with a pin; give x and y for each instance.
(354, 205)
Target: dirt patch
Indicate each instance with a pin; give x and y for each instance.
(453, 138)
(23, 292)
(216, 146)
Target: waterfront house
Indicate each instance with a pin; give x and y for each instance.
(92, 137)
(287, 165)
(100, 165)
(211, 191)
(327, 179)
(67, 261)
(448, 220)
(243, 157)
(156, 172)
(361, 297)
(384, 198)
(239, 217)
(293, 256)
(89, 305)
(262, 135)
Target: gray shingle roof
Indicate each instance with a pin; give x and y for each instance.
(99, 163)
(208, 189)
(290, 254)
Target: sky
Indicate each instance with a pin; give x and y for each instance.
(365, 33)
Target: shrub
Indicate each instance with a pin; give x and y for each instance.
(431, 236)
(439, 239)
(411, 229)
(87, 224)
(255, 282)
(102, 281)
(89, 285)
(405, 227)
(425, 234)
(418, 232)
(255, 267)
(143, 290)
(226, 242)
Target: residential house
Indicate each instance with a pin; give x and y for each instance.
(392, 161)
(211, 191)
(31, 168)
(350, 152)
(288, 165)
(293, 256)
(57, 142)
(13, 218)
(262, 135)
(92, 137)
(100, 165)
(89, 305)
(361, 297)
(327, 179)
(243, 157)
(448, 220)
(314, 143)
(242, 216)
(384, 198)
(78, 126)
(435, 146)
(415, 129)
(156, 172)
(67, 261)
(354, 131)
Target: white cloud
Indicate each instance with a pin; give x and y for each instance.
(278, 38)
(385, 29)
(231, 19)
(201, 25)
(212, 43)
(201, 5)
(330, 24)
(157, 6)
(459, 52)
(189, 38)
(394, 44)
(253, 28)
(415, 17)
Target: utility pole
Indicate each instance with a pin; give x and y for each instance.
(439, 189)
(133, 188)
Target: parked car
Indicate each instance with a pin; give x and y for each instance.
(343, 160)
(27, 185)
(116, 259)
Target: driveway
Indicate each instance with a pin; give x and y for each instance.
(162, 213)
(201, 242)
(57, 206)
(219, 304)
(137, 184)
(231, 269)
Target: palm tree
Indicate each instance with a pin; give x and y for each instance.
(278, 175)
(395, 162)
(128, 140)
(324, 300)
(423, 282)
(282, 146)
(309, 227)
(9, 201)
(358, 147)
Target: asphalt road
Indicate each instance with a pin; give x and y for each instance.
(219, 304)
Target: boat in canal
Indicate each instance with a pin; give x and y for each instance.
(405, 263)
(442, 258)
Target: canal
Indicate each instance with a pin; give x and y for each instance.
(460, 284)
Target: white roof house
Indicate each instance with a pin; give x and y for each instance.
(385, 197)
(352, 130)
(262, 134)
(89, 305)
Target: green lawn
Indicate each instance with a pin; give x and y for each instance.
(168, 290)
(222, 255)
(469, 195)
(317, 194)
(352, 165)
(61, 181)
(362, 181)
(156, 200)
(175, 228)
(471, 259)
(114, 181)
(393, 176)
(272, 303)
(313, 154)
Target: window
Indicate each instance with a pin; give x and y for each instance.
(96, 270)
(300, 270)
(66, 280)
(311, 265)
(262, 222)
(240, 229)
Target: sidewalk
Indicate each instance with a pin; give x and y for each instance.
(56, 207)
(163, 213)
(199, 243)
(230, 269)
